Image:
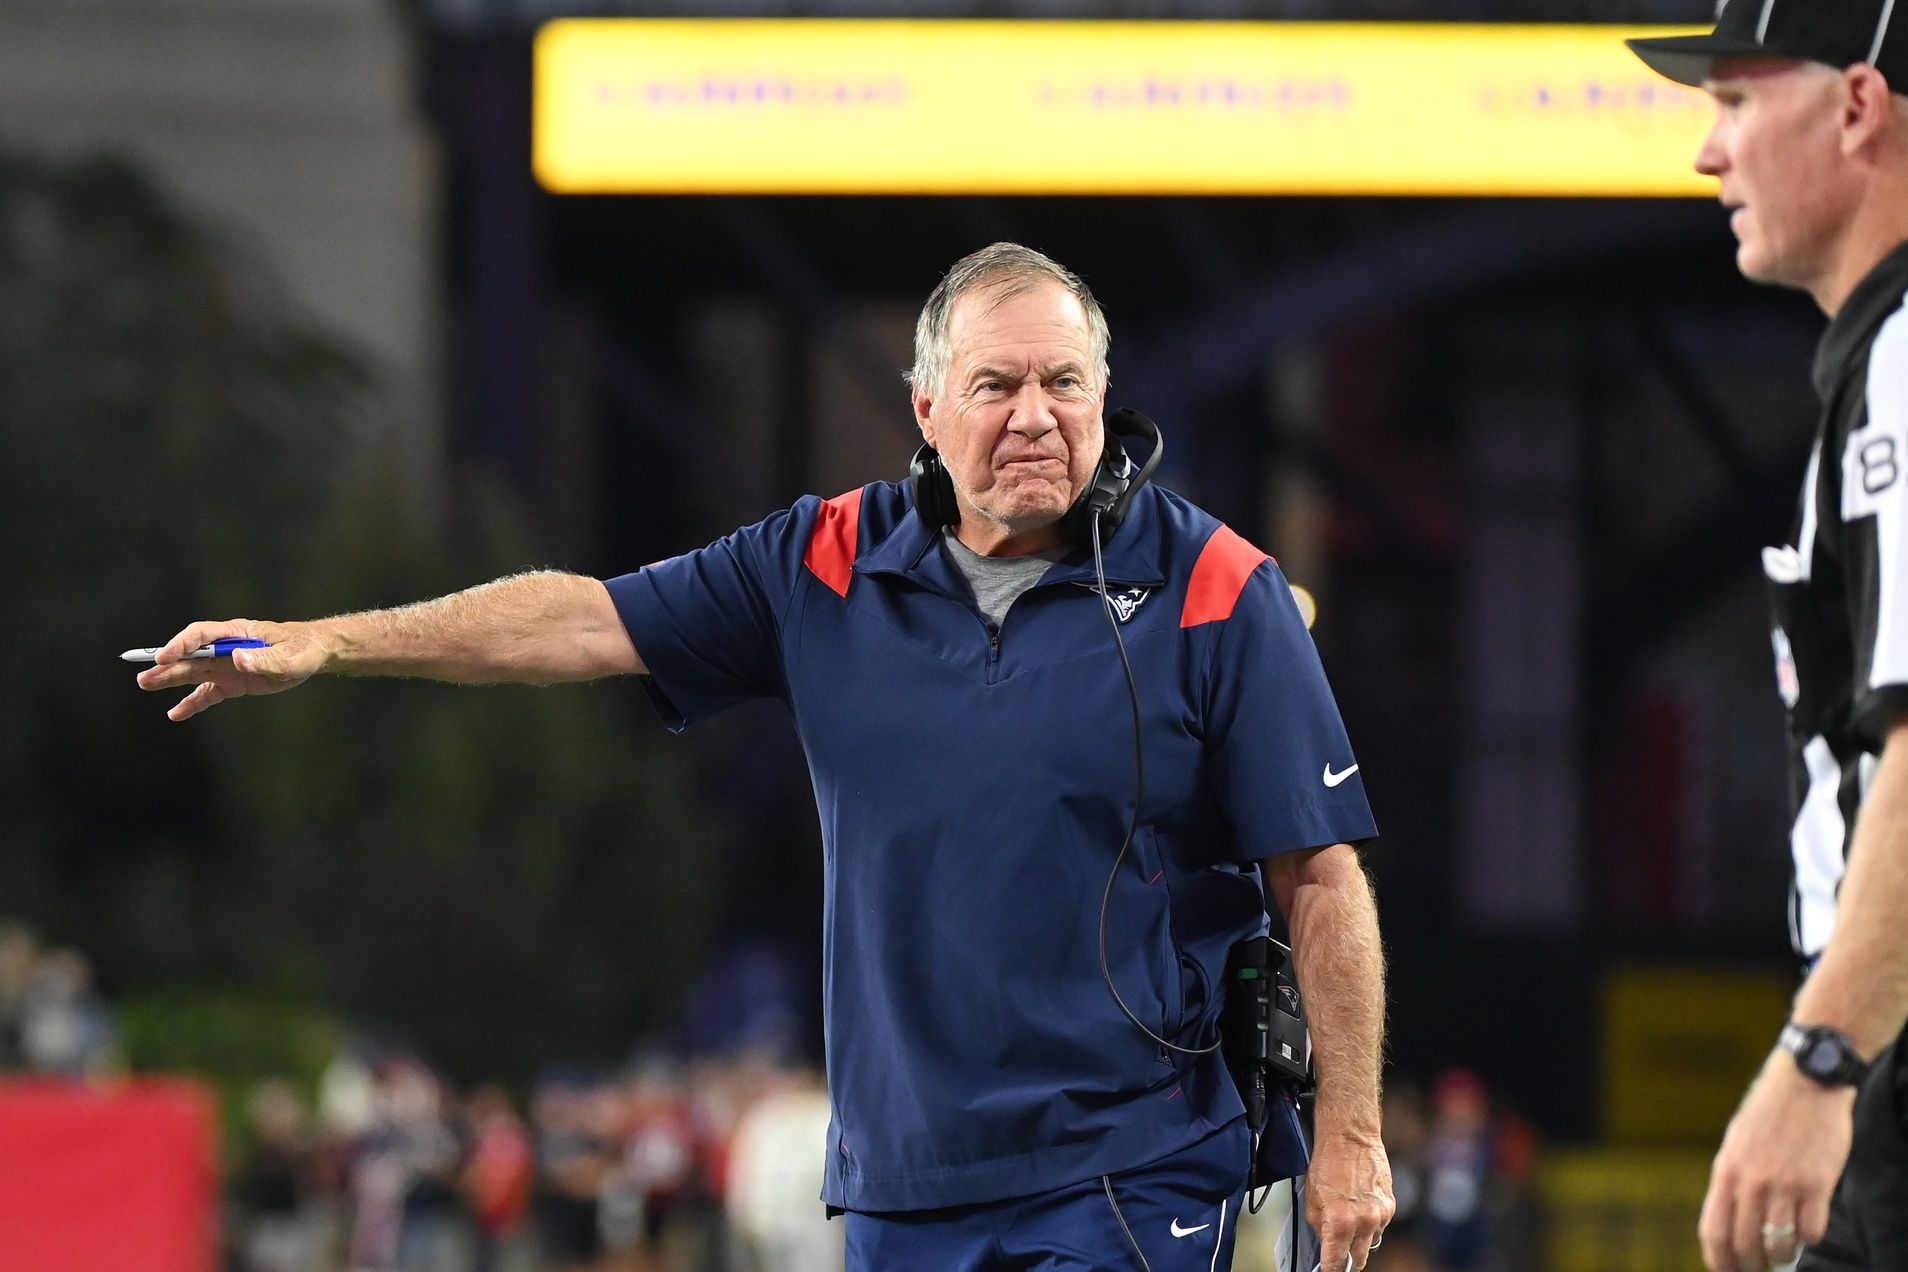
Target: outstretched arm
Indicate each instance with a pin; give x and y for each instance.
(537, 628)
(1340, 966)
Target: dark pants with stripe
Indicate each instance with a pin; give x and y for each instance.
(1178, 1214)
(1868, 1218)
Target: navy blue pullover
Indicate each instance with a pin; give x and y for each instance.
(974, 786)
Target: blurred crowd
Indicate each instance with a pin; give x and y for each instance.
(665, 1165)
(711, 1167)
(51, 1020)
(1463, 1175)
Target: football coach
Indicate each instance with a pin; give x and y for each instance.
(1057, 719)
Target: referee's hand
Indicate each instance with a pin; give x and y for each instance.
(1769, 1189)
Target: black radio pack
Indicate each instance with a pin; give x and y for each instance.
(1267, 1045)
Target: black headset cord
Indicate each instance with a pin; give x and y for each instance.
(1139, 799)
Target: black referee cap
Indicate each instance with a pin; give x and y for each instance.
(1837, 32)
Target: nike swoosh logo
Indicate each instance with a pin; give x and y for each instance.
(1333, 779)
(1187, 1232)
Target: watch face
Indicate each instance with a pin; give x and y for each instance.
(1822, 1057)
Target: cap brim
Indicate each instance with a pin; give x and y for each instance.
(1687, 59)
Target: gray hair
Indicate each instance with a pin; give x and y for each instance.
(1006, 269)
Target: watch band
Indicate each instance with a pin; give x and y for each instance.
(1824, 1054)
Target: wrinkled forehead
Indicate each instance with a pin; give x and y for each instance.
(982, 300)
(1037, 311)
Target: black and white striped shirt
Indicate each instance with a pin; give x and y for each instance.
(1840, 591)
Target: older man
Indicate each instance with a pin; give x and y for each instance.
(1036, 861)
(1811, 149)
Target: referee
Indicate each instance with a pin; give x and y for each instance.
(1811, 148)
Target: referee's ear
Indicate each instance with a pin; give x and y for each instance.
(1867, 111)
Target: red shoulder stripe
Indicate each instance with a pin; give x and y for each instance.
(1220, 574)
(831, 547)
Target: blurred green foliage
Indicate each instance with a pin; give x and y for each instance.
(236, 1039)
(509, 876)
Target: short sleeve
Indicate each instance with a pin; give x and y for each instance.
(1874, 489)
(1281, 764)
(707, 623)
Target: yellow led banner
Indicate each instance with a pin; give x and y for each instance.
(822, 106)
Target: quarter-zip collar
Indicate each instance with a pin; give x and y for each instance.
(1132, 555)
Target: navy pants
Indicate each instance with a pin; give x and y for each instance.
(1868, 1218)
(1178, 1214)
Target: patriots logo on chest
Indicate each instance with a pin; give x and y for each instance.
(1125, 602)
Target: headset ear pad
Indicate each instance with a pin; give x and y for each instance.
(1115, 480)
(1105, 488)
(933, 489)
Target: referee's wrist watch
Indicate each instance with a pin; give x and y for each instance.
(1824, 1054)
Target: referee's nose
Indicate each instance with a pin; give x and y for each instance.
(1712, 159)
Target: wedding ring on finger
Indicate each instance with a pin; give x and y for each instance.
(1778, 1242)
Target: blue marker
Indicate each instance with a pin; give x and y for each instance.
(220, 648)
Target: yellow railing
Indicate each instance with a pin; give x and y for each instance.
(1622, 1209)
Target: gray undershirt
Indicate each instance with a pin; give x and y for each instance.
(997, 582)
